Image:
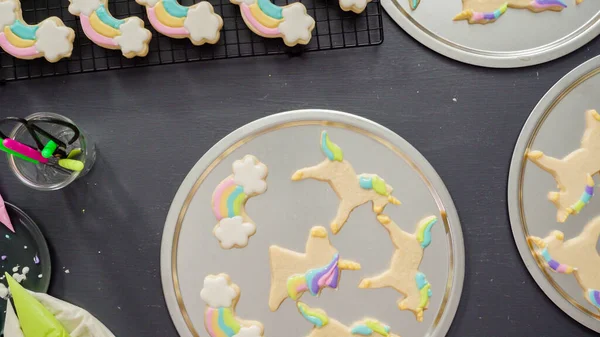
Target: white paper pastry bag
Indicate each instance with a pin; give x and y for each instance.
(77, 321)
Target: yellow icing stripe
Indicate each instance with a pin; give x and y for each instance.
(261, 17)
(101, 27)
(165, 18)
(15, 40)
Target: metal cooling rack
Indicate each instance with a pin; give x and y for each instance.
(334, 29)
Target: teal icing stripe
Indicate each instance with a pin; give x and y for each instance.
(108, 19)
(361, 330)
(227, 330)
(366, 182)
(427, 233)
(175, 9)
(270, 9)
(231, 200)
(23, 31)
(324, 147)
(421, 280)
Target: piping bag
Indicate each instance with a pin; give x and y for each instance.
(4, 218)
(43, 315)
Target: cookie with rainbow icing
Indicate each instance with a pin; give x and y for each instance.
(49, 39)
(234, 227)
(577, 256)
(488, 11)
(291, 23)
(221, 297)
(127, 35)
(574, 172)
(324, 326)
(352, 189)
(198, 22)
(293, 273)
(403, 275)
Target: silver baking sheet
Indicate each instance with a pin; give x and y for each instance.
(555, 127)
(285, 213)
(518, 38)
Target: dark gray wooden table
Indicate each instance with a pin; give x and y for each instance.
(152, 124)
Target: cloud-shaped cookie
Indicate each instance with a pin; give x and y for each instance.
(250, 174)
(85, 7)
(234, 232)
(217, 292)
(7, 13)
(203, 24)
(297, 25)
(134, 37)
(53, 40)
(253, 331)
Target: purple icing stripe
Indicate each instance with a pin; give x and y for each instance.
(589, 190)
(597, 296)
(548, 3)
(553, 264)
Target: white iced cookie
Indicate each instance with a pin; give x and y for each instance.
(221, 297)
(291, 23)
(128, 35)
(49, 39)
(234, 227)
(356, 6)
(198, 22)
(352, 189)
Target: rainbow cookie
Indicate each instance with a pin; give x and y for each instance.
(49, 39)
(403, 274)
(293, 274)
(352, 189)
(291, 22)
(577, 256)
(325, 326)
(198, 22)
(128, 35)
(573, 173)
(483, 12)
(234, 227)
(221, 297)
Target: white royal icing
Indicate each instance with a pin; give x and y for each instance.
(85, 7)
(297, 24)
(233, 231)
(250, 174)
(149, 3)
(134, 37)
(358, 4)
(217, 292)
(253, 331)
(3, 291)
(53, 40)
(7, 13)
(202, 23)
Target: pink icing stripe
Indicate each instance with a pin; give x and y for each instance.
(562, 268)
(93, 35)
(265, 31)
(208, 321)
(16, 51)
(165, 30)
(302, 288)
(221, 187)
(326, 279)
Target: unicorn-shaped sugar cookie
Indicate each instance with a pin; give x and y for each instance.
(574, 172)
(221, 297)
(293, 274)
(325, 326)
(291, 22)
(128, 35)
(49, 39)
(352, 189)
(575, 256)
(198, 22)
(403, 274)
(488, 11)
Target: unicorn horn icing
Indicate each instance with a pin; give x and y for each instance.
(34, 318)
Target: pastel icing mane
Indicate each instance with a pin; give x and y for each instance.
(317, 317)
(555, 265)
(483, 12)
(368, 327)
(128, 35)
(424, 230)
(291, 22)
(314, 280)
(50, 38)
(594, 297)
(587, 195)
(330, 149)
(424, 289)
(373, 182)
(199, 23)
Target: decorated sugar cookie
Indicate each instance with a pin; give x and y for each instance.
(356, 6)
(198, 22)
(329, 327)
(221, 297)
(574, 172)
(488, 11)
(577, 255)
(403, 274)
(352, 189)
(293, 274)
(229, 202)
(292, 23)
(49, 39)
(128, 35)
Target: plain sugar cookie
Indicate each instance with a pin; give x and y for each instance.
(352, 189)
(50, 38)
(573, 173)
(293, 274)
